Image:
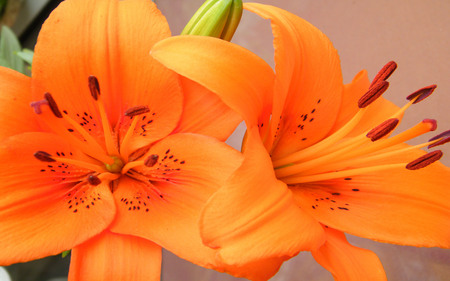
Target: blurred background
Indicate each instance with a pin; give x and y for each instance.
(367, 34)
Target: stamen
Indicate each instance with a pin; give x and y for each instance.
(373, 94)
(151, 160)
(137, 110)
(95, 92)
(36, 105)
(442, 138)
(132, 112)
(384, 73)
(421, 94)
(94, 87)
(339, 174)
(425, 160)
(52, 104)
(383, 129)
(43, 156)
(81, 164)
(93, 180)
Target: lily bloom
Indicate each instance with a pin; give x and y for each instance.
(320, 160)
(116, 155)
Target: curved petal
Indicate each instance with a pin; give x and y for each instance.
(241, 79)
(254, 216)
(347, 262)
(204, 113)
(15, 96)
(44, 206)
(110, 256)
(111, 41)
(397, 206)
(166, 210)
(308, 86)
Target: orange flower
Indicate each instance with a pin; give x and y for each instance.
(113, 162)
(318, 159)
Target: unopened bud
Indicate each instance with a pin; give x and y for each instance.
(215, 18)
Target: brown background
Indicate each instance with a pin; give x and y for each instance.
(367, 34)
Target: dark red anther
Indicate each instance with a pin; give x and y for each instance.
(93, 180)
(384, 73)
(94, 87)
(52, 104)
(373, 94)
(151, 160)
(383, 129)
(43, 156)
(137, 110)
(425, 160)
(421, 93)
(445, 138)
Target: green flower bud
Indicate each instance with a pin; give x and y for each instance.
(215, 18)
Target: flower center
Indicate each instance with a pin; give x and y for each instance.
(116, 166)
(112, 159)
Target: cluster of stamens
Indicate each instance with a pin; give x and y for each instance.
(337, 155)
(110, 161)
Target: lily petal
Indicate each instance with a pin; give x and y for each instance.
(166, 210)
(347, 262)
(111, 41)
(15, 97)
(254, 216)
(42, 214)
(110, 256)
(397, 206)
(240, 78)
(308, 86)
(204, 113)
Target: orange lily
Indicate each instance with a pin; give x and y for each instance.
(318, 159)
(117, 154)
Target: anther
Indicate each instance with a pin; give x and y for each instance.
(52, 104)
(373, 93)
(384, 73)
(445, 137)
(425, 160)
(137, 110)
(94, 87)
(93, 180)
(421, 94)
(36, 105)
(151, 160)
(43, 156)
(431, 122)
(383, 129)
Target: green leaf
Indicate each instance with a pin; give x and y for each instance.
(26, 55)
(65, 253)
(9, 47)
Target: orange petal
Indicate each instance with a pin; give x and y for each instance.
(254, 216)
(241, 79)
(44, 207)
(347, 262)
(396, 206)
(110, 40)
(204, 113)
(166, 210)
(309, 84)
(15, 97)
(110, 256)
